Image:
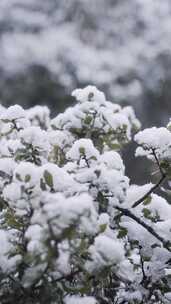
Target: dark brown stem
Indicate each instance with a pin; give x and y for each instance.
(157, 162)
(142, 199)
(163, 176)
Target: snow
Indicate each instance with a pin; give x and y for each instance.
(90, 93)
(135, 192)
(7, 263)
(120, 41)
(68, 211)
(34, 235)
(62, 181)
(7, 165)
(36, 137)
(103, 219)
(83, 148)
(128, 111)
(13, 118)
(158, 139)
(12, 192)
(80, 300)
(10, 147)
(61, 192)
(112, 160)
(13, 113)
(154, 137)
(115, 183)
(116, 121)
(105, 252)
(86, 119)
(28, 173)
(39, 116)
(60, 138)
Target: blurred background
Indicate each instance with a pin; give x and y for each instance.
(50, 47)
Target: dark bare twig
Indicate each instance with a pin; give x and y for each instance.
(142, 199)
(144, 281)
(163, 176)
(86, 160)
(157, 162)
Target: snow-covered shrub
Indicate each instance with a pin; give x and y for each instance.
(72, 227)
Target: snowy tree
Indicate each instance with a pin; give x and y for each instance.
(72, 227)
(121, 46)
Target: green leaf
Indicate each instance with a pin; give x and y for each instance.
(147, 213)
(27, 178)
(12, 221)
(93, 157)
(147, 201)
(103, 227)
(164, 164)
(146, 258)
(48, 178)
(6, 120)
(88, 119)
(136, 267)
(169, 126)
(82, 150)
(115, 146)
(122, 232)
(97, 172)
(18, 177)
(42, 185)
(69, 232)
(82, 246)
(135, 242)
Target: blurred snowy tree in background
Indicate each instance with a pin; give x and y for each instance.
(49, 47)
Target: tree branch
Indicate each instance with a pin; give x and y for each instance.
(128, 213)
(163, 176)
(157, 162)
(138, 202)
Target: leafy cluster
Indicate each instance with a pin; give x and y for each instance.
(72, 228)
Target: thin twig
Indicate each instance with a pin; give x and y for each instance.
(142, 199)
(157, 162)
(163, 176)
(144, 280)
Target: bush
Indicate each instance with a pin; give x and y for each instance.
(73, 229)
